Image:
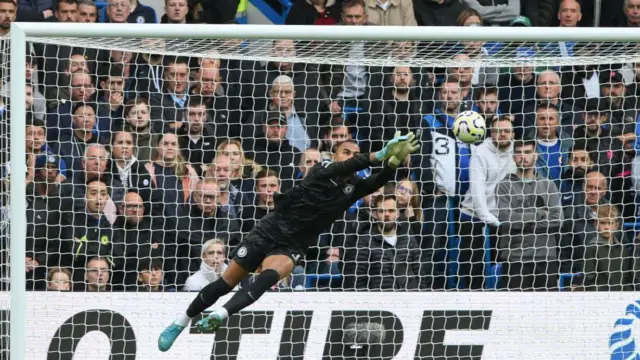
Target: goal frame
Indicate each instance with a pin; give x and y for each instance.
(22, 32)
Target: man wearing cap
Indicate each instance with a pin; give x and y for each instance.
(272, 149)
(613, 90)
(47, 172)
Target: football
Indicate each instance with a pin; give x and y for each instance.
(469, 127)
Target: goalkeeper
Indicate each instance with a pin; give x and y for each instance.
(278, 241)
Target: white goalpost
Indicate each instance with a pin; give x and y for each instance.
(434, 322)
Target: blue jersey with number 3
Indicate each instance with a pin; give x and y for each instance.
(450, 158)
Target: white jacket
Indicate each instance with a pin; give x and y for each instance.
(202, 277)
(488, 166)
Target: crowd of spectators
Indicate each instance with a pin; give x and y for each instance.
(144, 171)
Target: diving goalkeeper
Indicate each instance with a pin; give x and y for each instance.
(278, 241)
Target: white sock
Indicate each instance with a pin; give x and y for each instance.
(183, 320)
(222, 312)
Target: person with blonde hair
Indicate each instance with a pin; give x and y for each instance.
(242, 167)
(214, 254)
(408, 195)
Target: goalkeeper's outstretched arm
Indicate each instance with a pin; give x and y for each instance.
(346, 168)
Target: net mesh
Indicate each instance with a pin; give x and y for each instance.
(149, 160)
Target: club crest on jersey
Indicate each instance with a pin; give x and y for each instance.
(348, 189)
(242, 252)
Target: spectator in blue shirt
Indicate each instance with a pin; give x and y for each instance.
(553, 145)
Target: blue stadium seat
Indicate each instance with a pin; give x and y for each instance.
(494, 274)
(565, 280)
(312, 279)
(347, 112)
(286, 7)
(492, 271)
(453, 250)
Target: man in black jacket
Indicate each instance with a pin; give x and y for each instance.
(87, 233)
(197, 137)
(399, 106)
(388, 257)
(139, 239)
(271, 148)
(205, 221)
(279, 240)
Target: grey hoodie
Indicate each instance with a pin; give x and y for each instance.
(530, 215)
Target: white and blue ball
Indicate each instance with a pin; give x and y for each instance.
(469, 127)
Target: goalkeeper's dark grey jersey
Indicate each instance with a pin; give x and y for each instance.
(308, 209)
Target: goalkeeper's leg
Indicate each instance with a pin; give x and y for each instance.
(205, 298)
(274, 268)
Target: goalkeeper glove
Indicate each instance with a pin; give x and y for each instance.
(405, 148)
(391, 147)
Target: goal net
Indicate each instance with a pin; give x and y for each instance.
(149, 160)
